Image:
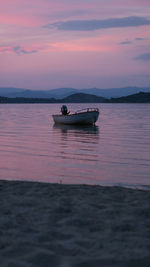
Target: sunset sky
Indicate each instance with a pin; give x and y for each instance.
(47, 44)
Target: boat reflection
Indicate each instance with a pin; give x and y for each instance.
(77, 129)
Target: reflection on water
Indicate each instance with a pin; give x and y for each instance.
(93, 129)
(89, 131)
(78, 151)
(115, 151)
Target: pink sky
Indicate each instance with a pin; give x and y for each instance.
(47, 44)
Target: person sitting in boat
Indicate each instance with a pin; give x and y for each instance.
(64, 110)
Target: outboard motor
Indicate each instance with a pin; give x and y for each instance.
(64, 110)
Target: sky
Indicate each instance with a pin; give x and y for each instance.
(47, 44)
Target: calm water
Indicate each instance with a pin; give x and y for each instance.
(114, 152)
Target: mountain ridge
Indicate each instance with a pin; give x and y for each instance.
(60, 93)
(141, 97)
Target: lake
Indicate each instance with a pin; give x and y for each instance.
(114, 152)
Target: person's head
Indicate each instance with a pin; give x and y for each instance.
(64, 109)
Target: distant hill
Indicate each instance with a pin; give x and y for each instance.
(135, 98)
(54, 93)
(80, 98)
(116, 92)
(74, 98)
(4, 91)
(84, 98)
(27, 94)
(62, 92)
(65, 92)
(23, 100)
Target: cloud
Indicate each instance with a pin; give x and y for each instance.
(139, 39)
(18, 50)
(144, 57)
(125, 42)
(132, 41)
(91, 25)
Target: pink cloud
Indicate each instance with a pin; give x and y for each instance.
(19, 50)
(95, 44)
(5, 49)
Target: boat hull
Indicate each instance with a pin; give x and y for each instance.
(89, 117)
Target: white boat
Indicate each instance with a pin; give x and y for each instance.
(84, 116)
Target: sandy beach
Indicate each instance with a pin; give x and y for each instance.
(73, 225)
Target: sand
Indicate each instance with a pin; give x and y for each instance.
(73, 225)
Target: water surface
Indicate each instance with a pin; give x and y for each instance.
(114, 152)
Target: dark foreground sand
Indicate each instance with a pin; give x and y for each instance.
(73, 225)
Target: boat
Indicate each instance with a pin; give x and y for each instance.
(80, 117)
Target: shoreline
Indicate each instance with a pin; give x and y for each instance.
(140, 187)
(46, 224)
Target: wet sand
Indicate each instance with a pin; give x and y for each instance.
(73, 225)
